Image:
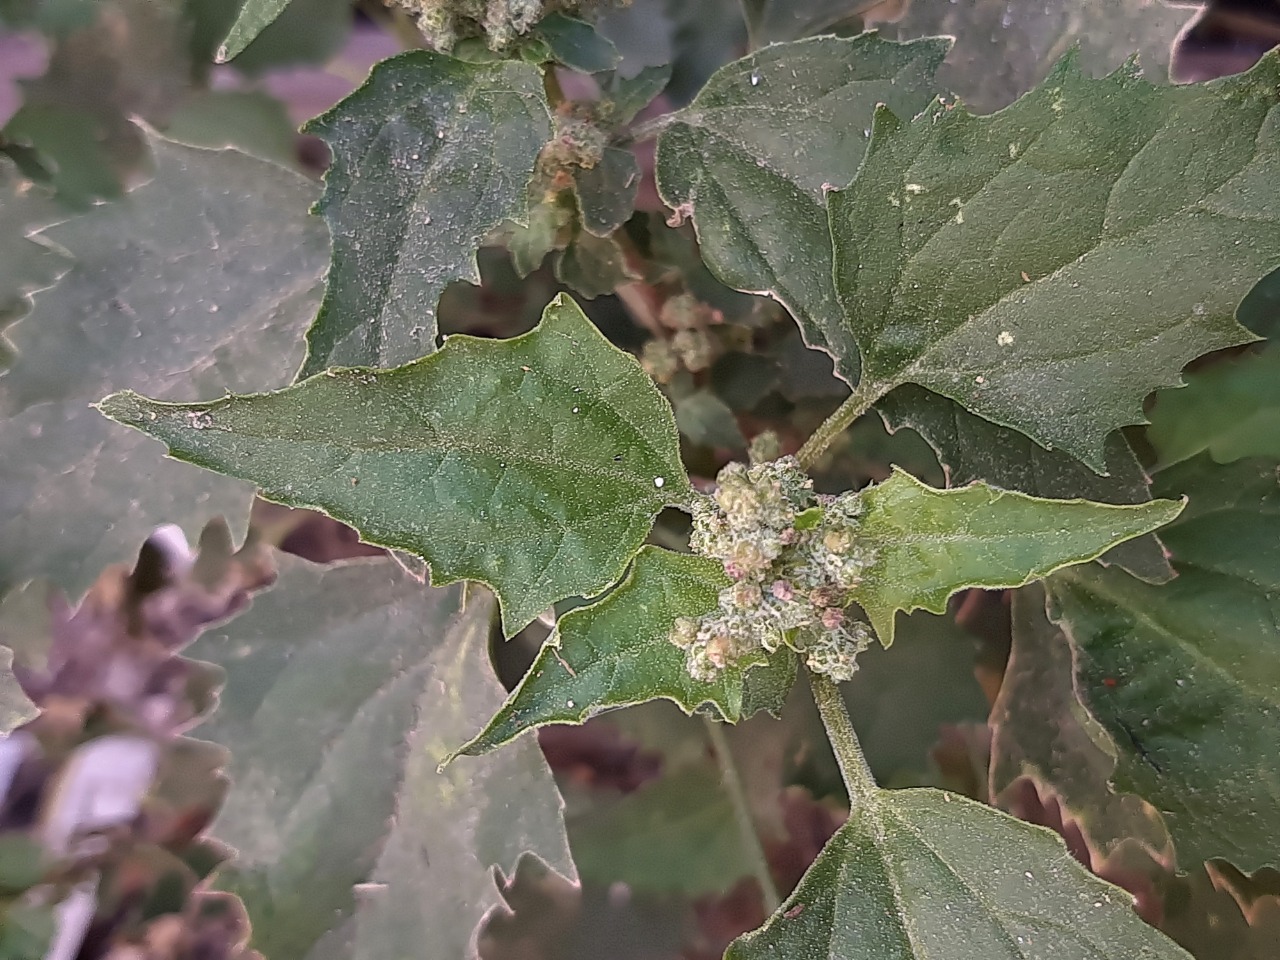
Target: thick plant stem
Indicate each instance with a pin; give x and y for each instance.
(742, 814)
(853, 765)
(857, 403)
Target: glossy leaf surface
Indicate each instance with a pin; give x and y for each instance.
(535, 465)
(929, 543)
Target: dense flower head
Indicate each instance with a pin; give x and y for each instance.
(795, 558)
(501, 22)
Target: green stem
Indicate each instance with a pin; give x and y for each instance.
(858, 779)
(742, 814)
(652, 127)
(854, 406)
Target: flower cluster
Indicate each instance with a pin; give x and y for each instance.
(502, 22)
(795, 559)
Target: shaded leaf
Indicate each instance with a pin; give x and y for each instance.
(707, 420)
(535, 465)
(991, 259)
(1040, 732)
(928, 543)
(576, 44)
(593, 266)
(1231, 410)
(623, 97)
(751, 156)
(1186, 677)
(25, 264)
(253, 18)
(130, 62)
(772, 21)
(921, 873)
(607, 191)
(306, 32)
(247, 120)
(674, 834)
(616, 653)
(1002, 50)
(335, 784)
(972, 448)
(430, 155)
(200, 281)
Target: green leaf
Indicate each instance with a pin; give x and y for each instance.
(932, 543)
(971, 448)
(247, 120)
(1186, 677)
(921, 873)
(593, 266)
(616, 653)
(751, 157)
(26, 265)
(1231, 410)
(1003, 50)
(131, 62)
(623, 97)
(254, 17)
(707, 421)
(772, 21)
(535, 465)
(676, 834)
(994, 259)
(576, 44)
(607, 191)
(306, 32)
(1039, 732)
(335, 783)
(199, 281)
(430, 155)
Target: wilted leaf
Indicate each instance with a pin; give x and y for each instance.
(993, 259)
(972, 448)
(335, 783)
(535, 465)
(430, 154)
(1232, 410)
(921, 873)
(928, 543)
(751, 157)
(1185, 677)
(199, 281)
(616, 653)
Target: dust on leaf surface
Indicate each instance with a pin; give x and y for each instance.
(1185, 677)
(992, 259)
(335, 784)
(971, 448)
(199, 281)
(430, 155)
(916, 874)
(752, 157)
(535, 465)
(616, 653)
(929, 544)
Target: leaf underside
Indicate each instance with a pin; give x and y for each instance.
(535, 465)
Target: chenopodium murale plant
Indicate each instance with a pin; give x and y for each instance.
(795, 559)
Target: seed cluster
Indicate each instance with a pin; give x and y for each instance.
(795, 559)
(501, 22)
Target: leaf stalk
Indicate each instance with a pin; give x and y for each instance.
(855, 405)
(858, 779)
(742, 815)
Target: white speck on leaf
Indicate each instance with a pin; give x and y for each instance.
(1005, 339)
(659, 482)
